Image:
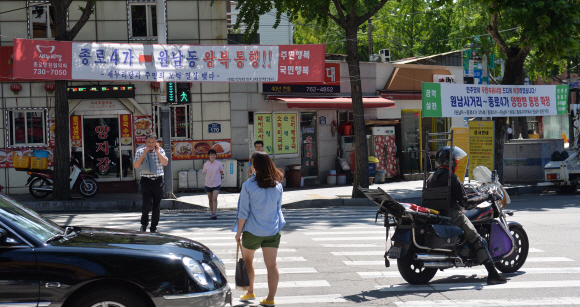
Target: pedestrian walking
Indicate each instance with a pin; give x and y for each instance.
(214, 173)
(258, 146)
(152, 157)
(510, 132)
(259, 222)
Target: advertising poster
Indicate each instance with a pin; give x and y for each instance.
(481, 145)
(263, 130)
(461, 140)
(125, 120)
(7, 155)
(285, 132)
(143, 127)
(75, 131)
(51, 135)
(469, 100)
(191, 150)
(49, 60)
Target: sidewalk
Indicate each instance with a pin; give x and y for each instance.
(307, 197)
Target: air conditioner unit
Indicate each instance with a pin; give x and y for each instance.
(385, 55)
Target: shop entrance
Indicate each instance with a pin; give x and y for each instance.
(309, 145)
(411, 141)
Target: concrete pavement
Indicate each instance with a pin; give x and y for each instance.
(307, 197)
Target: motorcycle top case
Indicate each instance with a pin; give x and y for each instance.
(442, 236)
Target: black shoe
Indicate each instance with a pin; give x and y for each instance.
(153, 230)
(493, 277)
(143, 228)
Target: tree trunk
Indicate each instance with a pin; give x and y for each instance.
(514, 75)
(61, 150)
(361, 176)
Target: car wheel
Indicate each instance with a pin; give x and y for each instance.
(109, 298)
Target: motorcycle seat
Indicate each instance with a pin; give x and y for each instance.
(473, 213)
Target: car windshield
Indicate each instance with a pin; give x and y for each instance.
(28, 220)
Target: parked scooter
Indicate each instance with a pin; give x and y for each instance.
(425, 241)
(40, 181)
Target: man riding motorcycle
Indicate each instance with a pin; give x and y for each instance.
(458, 202)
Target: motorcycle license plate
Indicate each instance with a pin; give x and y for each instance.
(394, 252)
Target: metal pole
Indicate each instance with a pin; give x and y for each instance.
(370, 34)
(164, 108)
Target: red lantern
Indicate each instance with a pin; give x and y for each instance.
(49, 87)
(15, 88)
(155, 86)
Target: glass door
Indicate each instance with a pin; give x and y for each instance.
(309, 144)
(101, 147)
(411, 141)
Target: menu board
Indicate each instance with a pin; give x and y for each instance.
(191, 150)
(7, 155)
(51, 134)
(481, 144)
(143, 127)
(263, 130)
(75, 131)
(285, 131)
(125, 120)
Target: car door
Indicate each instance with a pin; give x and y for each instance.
(19, 282)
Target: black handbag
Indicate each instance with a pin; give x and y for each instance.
(242, 278)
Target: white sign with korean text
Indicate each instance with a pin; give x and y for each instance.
(135, 62)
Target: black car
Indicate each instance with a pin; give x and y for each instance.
(43, 264)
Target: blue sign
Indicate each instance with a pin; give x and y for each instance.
(214, 128)
(322, 120)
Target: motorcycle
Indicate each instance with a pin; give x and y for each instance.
(40, 182)
(425, 241)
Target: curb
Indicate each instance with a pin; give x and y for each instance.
(171, 204)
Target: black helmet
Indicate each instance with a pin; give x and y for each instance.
(444, 154)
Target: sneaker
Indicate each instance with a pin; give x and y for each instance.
(246, 297)
(143, 228)
(213, 217)
(264, 302)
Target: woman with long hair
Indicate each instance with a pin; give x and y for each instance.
(259, 222)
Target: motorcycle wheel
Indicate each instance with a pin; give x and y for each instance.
(517, 259)
(88, 187)
(38, 183)
(412, 270)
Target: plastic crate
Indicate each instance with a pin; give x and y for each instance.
(21, 162)
(38, 163)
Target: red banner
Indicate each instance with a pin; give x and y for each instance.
(6, 65)
(190, 150)
(143, 127)
(75, 131)
(47, 60)
(299, 63)
(125, 120)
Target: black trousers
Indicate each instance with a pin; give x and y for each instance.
(152, 192)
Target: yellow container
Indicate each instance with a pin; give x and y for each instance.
(21, 162)
(39, 163)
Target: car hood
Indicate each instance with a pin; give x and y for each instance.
(132, 240)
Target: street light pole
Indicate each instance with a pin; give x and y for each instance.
(164, 108)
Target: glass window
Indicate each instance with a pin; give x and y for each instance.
(179, 119)
(42, 21)
(27, 127)
(143, 20)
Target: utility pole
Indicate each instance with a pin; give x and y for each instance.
(164, 108)
(370, 36)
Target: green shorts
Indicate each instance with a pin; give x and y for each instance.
(250, 241)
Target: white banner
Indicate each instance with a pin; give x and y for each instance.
(102, 61)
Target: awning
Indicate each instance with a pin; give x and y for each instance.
(332, 102)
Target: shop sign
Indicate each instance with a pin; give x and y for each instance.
(51, 134)
(6, 65)
(104, 146)
(444, 79)
(285, 131)
(143, 127)
(322, 120)
(100, 105)
(331, 83)
(471, 100)
(75, 131)
(264, 131)
(7, 155)
(192, 150)
(481, 145)
(49, 60)
(101, 91)
(214, 128)
(461, 140)
(125, 120)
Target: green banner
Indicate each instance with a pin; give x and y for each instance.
(562, 99)
(432, 100)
